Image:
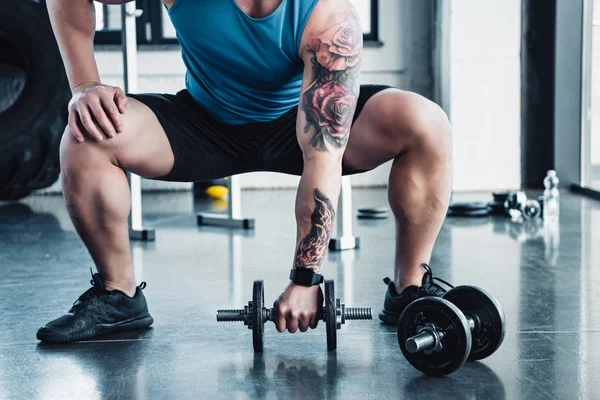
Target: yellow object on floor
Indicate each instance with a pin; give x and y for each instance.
(217, 192)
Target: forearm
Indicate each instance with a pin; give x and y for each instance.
(316, 203)
(74, 25)
(326, 109)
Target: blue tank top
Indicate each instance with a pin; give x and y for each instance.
(241, 69)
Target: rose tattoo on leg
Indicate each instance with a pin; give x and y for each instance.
(329, 102)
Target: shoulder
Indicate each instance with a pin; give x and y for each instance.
(331, 19)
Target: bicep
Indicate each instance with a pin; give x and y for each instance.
(332, 49)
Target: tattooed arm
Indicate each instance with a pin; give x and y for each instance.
(331, 51)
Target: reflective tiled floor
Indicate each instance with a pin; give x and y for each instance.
(548, 283)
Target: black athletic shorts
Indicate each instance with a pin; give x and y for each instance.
(205, 148)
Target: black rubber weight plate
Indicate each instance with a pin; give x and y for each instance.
(330, 315)
(475, 209)
(500, 196)
(446, 316)
(372, 216)
(474, 301)
(497, 208)
(373, 210)
(258, 324)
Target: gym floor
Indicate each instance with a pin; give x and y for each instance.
(547, 285)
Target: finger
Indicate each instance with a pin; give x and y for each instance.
(121, 100)
(303, 321)
(74, 127)
(314, 321)
(103, 121)
(112, 111)
(280, 323)
(88, 122)
(292, 323)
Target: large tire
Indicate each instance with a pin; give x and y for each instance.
(34, 94)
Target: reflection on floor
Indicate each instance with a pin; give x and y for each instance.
(547, 282)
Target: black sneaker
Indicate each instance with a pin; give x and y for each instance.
(98, 311)
(395, 303)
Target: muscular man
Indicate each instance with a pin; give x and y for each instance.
(271, 85)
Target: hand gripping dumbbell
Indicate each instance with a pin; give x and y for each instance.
(255, 314)
(437, 335)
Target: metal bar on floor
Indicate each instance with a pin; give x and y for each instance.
(233, 218)
(342, 239)
(129, 13)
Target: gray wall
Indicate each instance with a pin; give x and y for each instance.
(569, 15)
(482, 41)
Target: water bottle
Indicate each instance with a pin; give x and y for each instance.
(551, 197)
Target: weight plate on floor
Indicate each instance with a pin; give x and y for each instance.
(474, 209)
(372, 216)
(496, 208)
(258, 323)
(456, 344)
(329, 314)
(487, 313)
(500, 197)
(373, 210)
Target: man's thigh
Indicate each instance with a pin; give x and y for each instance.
(384, 128)
(142, 147)
(202, 147)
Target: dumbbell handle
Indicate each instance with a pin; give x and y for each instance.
(349, 313)
(426, 340)
(230, 315)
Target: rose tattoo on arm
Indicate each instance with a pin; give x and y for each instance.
(313, 247)
(329, 102)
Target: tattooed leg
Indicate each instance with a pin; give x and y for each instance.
(313, 247)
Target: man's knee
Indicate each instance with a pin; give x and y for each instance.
(420, 124)
(431, 129)
(76, 157)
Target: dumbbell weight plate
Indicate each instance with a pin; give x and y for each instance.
(531, 210)
(329, 314)
(446, 316)
(477, 303)
(258, 323)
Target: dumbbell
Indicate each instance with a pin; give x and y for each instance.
(518, 205)
(437, 335)
(255, 314)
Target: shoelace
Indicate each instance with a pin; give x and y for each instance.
(428, 282)
(87, 295)
(94, 291)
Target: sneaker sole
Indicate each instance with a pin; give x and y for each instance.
(389, 318)
(127, 325)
